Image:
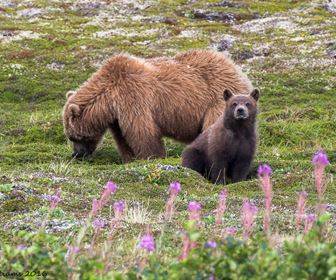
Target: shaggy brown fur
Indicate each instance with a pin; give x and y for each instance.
(141, 101)
(226, 149)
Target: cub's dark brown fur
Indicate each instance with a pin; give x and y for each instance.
(226, 149)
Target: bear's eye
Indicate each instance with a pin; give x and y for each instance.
(234, 104)
(247, 104)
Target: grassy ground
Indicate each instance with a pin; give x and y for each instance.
(50, 47)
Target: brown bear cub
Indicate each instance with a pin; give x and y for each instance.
(226, 149)
(142, 100)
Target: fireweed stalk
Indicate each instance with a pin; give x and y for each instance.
(264, 172)
(301, 208)
(229, 231)
(97, 225)
(109, 189)
(194, 215)
(194, 211)
(309, 222)
(186, 246)
(221, 207)
(147, 244)
(320, 161)
(53, 200)
(174, 189)
(119, 209)
(248, 214)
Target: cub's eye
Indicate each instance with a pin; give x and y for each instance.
(234, 104)
(247, 104)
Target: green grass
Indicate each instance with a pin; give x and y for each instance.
(297, 111)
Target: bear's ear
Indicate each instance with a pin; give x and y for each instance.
(75, 111)
(255, 94)
(70, 93)
(227, 94)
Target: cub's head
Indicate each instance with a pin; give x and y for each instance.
(78, 129)
(241, 107)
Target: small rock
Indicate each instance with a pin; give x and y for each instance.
(169, 20)
(29, 13)
(330, 6)
(6, 4)
(225, 43)
(189, 33)
(55, 66)
(261, 25)
(228, 4)
(216, 16)
(6, 34)
(169, 167)
(331, 51)
(58, 225)
(88, 7)
(244, 55)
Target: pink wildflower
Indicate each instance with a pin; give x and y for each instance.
(147, 243)
(320, 161)
(221, 207)
(265, 172)
(212, 277)
(109, 188)
(73, 250)
(119, 208)
(309, 222)
(248, 214)
(231, 230)
(21, 247)
(174, 189)
(95, 207)
(194, 209)
(98, 224)
(54, 199)
(300, 207)
(211, 244)
(186, 246)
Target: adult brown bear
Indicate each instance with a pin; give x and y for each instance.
(141, 101)
(225, 150)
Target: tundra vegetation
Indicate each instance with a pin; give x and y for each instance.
(56, 217)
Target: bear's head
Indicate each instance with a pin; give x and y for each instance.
(241, 108)
(78, 129)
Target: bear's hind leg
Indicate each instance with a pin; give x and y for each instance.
(194, 159)
(125, 150)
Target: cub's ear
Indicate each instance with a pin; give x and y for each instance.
(70, 93)
(227, 94)
(255, 94)
(74, 110)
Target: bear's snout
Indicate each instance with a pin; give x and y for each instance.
(81, 151)
(241, 112)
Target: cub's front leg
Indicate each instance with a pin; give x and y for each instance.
(217, 171)
(241, 168)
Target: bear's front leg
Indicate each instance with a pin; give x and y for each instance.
(145, 144)
(125, 150)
